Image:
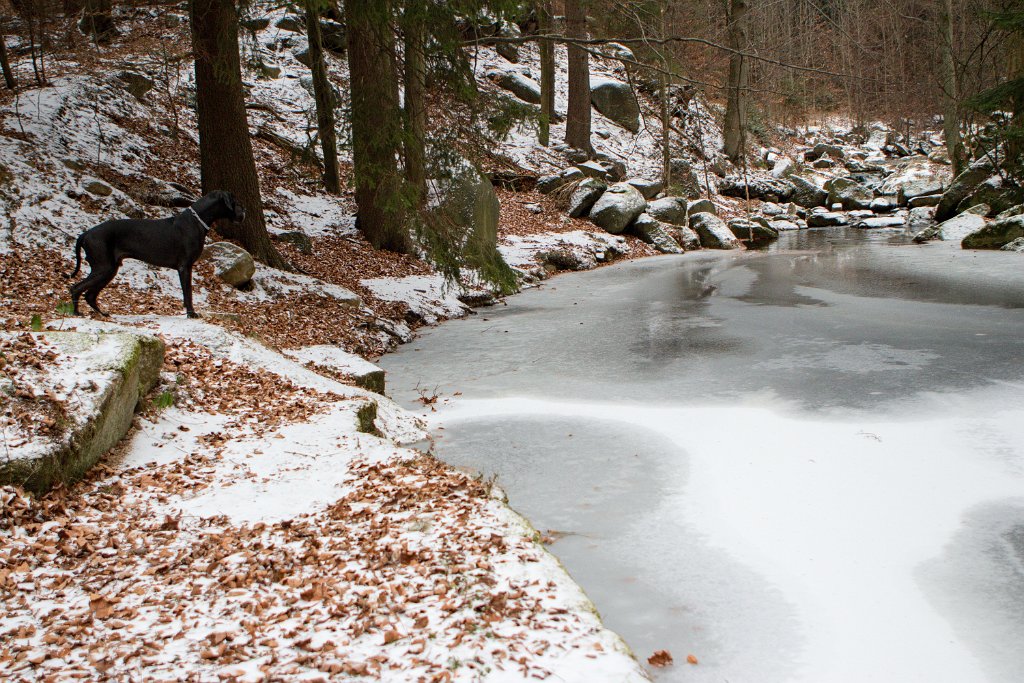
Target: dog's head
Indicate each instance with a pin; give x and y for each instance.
(231, 207)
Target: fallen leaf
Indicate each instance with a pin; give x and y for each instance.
(660, 658)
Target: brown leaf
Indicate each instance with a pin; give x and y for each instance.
(660, 658)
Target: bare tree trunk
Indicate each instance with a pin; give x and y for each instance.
(376, 125)
(324, 97)
(666, 127)
(950, 90)
(5, 64)
(735, 130)
(225, 150)
(547, 73)
(415, 95)
(577, 125)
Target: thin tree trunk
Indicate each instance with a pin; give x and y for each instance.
(950, 90)
(5, 64)
(225, 150)
(324, 100)
(547, 73)
(415, 95)
(577, 125)
(97, 21)
(735, 130)
(376, 125)
(666, 128)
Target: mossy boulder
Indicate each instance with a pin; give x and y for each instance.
(996, 234)
(111, 372)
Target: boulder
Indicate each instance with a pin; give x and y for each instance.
(334, 36)
(994, 192)
(822, 149)
(655, 233)
(1017, 246)
(618, 207)
(668, 210)
(826, 219)
(615, 168)
(783, 225)
(98, 188)
(106, 375)
(881, 222)
(925, 200)
(752, 231)
(550, 183)
(771, 209)
(765, 189)
(996, 234)
(849, 193)
(883, 204)
(958, 190)
(137, 84)
(526, 89)
(231, 263)
(1012, 211)
(685, 237)
(648, 188)
(291, 22)
(918, 188)
(297, 239)
(688, 178)
(823, 162)
(713, 232)
(582, 199)
(782, 167)
(592, 169)
(920, 218)
(955, 229)
(702, 206)
(616, 100)
(806, 193)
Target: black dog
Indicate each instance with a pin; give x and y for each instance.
(167, 243)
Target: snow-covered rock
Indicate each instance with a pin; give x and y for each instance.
(617, 208)
(713, 232)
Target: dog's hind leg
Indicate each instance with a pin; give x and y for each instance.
(89, 283)
(185, 275)
(94, 290)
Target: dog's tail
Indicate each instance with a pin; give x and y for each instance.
(78, 256)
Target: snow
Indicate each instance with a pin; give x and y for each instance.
(429, 296)
(334, 358)
(521, 252)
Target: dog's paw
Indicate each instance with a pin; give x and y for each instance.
(192, 314)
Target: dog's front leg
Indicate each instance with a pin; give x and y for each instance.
(185, 274)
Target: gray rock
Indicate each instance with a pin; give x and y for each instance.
(114, 372)
(806, 193)
(269, 71)
(616, 100)
(668, 210)
(303, 57)
(823, 162)
(334, 36)
(883, 204)
(994, 193)
(137, 84)
(955, 229)
(655, 233)
(526, 89)
(1012, 211)
(362, 372)
(509, 51)
(592, 169)
(958, 190)
(231, 263)
(918, 188)
(1016, 245)
(98, 188)
(648, 188)
(256, 23)
(615, 168)
(996, 234)
(585, 195)
(771, 209)
(920, 218)
(752, 231)
(821, 149)
(782, 167)
(292, 23)
(925, 200)
(765, 189)
(685, 237)
(702, 206)
(618, 207)
(826, 219)
(299, 240)
(783, 225)
(713, 232)
(881, 222)
(850, 194)
(550, 183)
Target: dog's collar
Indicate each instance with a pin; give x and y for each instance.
(201, 221)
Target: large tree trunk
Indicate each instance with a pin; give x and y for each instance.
(950, 90)
(377, 132)
(415, 95)
(577, 125)
(5, 64)
(324, 100)
(1015, 145)
(547, 72)
(735, 129)
(225, 150)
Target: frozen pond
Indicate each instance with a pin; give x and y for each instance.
(805, 464)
